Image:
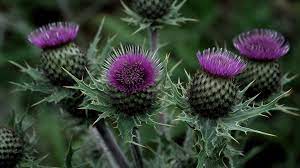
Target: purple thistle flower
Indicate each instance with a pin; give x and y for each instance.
(220, 62)
(261, 44)
(53, 34)
(132, 70)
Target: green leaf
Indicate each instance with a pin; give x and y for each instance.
(33, 73)
(126, 126)
(69, 155)
(34, 87)
(56, 96)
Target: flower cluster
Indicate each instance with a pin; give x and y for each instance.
(129, 85)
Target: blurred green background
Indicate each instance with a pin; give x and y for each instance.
(218, 22)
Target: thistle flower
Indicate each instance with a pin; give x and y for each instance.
(59, 51)
(132, 74)
(212, 92)
(11, 148)
(152, 9)
(262, 48)
(261, 44)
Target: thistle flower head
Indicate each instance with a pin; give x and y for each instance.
(220, 62)
(53, 34)
(152, 9)
(261, 44)
(11, 148)
(132, 69)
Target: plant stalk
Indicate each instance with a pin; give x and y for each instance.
(111, 144)
(135, 149)
(153, 36)
(154, 41)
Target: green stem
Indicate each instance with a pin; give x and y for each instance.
(135, 149)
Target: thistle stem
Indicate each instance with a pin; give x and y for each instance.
(154, 41)
(136, 152)
(153, 36)
(111, 144)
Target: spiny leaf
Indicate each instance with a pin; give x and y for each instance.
(244, 114)
(83, 87)
(55, 97)
(33, 73)
(93, 51)
(103, 115)
(126, 126)
(237, 127)
(34, 87)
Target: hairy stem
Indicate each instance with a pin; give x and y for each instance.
(136, 152)
(111, 144)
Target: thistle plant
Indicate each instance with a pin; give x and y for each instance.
(128, 86)
(128, 91)
(60, 54)
(212, 107)
(261, 48)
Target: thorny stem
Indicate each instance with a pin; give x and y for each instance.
(111, 144)
(136, 152)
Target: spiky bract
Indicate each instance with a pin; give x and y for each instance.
(11, 148)
(132, 74)
(220, 62)
(266, 77)
(69, 57)
(152, 9)
(261, 44)
(136, 103)
(210, 96)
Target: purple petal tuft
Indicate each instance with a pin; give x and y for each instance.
(220, 62)
(54, 34)
(261, 44)
(132, 70)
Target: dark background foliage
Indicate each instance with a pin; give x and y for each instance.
(218, 22)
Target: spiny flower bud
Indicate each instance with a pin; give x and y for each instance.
(59, 51)
(262, 48)
(132, 75)
(11, 148)
(152, 9)
(212, 92)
